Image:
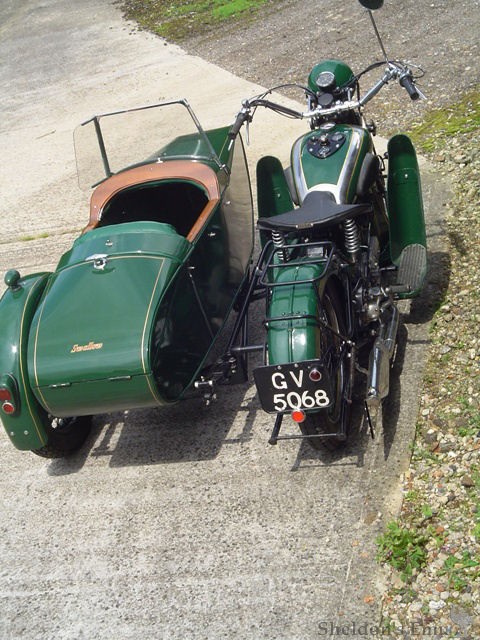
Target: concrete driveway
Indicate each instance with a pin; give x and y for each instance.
(181, 523)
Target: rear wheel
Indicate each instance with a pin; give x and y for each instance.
(331, 420)
(65, 436)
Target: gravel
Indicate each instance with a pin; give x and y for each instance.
(439, 35)
(442, 487)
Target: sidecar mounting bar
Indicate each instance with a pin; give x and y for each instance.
(249, 348)
(257, 272)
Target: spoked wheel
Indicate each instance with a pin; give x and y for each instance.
(65, 436)
(332, 419)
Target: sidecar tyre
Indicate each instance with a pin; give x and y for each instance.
(65, 436)
(330, 420)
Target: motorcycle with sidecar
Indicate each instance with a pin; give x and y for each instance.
(132, 313)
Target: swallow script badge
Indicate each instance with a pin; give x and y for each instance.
(91, 346)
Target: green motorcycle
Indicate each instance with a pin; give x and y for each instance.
(340, 246)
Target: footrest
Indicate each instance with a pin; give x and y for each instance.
(412, 270)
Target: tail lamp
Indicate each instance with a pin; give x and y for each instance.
(298, 415)
(315, 375)
(8, 395)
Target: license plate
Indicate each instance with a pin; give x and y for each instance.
(298, 385)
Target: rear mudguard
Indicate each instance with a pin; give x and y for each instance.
(26, 426)
(405, 204)
(295, 340)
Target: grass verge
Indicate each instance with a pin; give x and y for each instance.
(178, 20)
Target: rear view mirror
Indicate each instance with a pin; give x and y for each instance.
(371, 4)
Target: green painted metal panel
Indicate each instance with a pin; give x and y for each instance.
(94, 323)
(294, 340)
(89, 397)
(143, 237)
(194, 145)
(405, 204)
(342, 72)
(272, 188)
(182, 336)
(25, 427)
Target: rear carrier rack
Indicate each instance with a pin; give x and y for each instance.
(264, 279)
(304, 264)
(298, 255)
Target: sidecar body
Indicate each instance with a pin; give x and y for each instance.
(132, 310)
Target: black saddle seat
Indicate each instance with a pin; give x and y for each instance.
(318, 209)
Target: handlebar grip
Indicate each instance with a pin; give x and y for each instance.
(237, 125)
(408, 83)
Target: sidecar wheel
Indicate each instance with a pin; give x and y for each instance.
(330, 420)
(65, 436)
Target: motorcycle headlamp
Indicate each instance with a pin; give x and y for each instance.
(331, 76)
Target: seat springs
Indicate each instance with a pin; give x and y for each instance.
(352, 237)
(278, 240)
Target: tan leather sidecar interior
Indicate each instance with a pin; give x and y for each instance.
(178, 192)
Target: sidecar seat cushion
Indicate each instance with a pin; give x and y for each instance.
(318, 209)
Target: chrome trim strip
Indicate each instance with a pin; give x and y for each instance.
(349, 165)
(298, 177)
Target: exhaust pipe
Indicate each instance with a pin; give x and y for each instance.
(378, 380)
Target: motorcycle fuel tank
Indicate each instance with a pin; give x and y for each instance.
(90, 340)
(329, 159)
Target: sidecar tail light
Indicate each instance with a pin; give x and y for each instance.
(298, 415)
(8, 402)
(8, 407)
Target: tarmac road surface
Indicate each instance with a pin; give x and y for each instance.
(181, 523)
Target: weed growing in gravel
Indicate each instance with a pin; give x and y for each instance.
(38, 236)
(403, 549)
(460, 570)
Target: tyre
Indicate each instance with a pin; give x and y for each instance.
(332, 419)
(65, 436)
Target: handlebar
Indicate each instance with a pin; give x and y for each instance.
(407, 82)
(394, 71)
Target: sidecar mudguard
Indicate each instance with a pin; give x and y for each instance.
(26, 426)
(404, 201)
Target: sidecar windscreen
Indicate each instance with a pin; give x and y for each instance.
(111, 142)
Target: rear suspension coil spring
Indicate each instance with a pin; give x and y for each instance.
(278, 240)
(352, 237)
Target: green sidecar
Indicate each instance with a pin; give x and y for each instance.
(132, 310)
